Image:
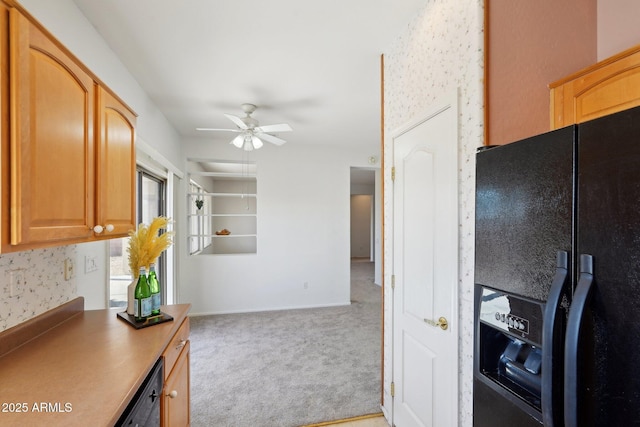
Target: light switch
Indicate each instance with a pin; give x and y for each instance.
(90, 263)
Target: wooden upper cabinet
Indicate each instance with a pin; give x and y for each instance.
(116, 166)
(52, 102)
(71, 146)
(609, 86)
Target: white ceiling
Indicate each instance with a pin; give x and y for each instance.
(312, 64)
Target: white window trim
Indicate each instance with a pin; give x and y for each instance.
(149, 158)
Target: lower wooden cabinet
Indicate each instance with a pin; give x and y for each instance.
(175, 406)
(176, 411)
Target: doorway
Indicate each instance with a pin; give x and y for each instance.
(362, 227)
(366, 238)
(425, 270)
(366, 218)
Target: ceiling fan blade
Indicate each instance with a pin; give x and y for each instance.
(238, 121)
(272, 139)
(221, 130)
(282, 127)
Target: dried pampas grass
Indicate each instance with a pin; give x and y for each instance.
(146, 244)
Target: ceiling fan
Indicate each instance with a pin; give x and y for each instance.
(251, 134)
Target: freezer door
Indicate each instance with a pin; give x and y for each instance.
(492, 409)
(608, 226)
(524, 212)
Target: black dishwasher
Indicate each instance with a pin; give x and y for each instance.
(144, 409)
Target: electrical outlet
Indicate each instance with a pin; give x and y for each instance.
(90, 264)
(16, 281)
(69, 269)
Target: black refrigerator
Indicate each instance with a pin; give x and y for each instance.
(557, 278)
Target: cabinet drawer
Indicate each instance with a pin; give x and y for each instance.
(174, 348)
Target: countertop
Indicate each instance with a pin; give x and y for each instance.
(83, 371)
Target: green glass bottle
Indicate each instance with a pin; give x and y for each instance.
(155, 290)
(142, 296)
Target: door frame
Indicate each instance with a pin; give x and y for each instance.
(448, 101)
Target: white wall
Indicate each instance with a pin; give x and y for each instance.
(67, 23)
(303, 233)
(377, 240)
(374, 190)
(92, 285)
(441, 50)
(618, 27)
(361, 225)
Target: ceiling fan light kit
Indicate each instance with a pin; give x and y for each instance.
(251, 134)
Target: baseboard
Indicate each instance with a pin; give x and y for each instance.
(261, 310)
(385, 412)
(346, 420)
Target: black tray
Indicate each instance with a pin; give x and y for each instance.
(150, 321)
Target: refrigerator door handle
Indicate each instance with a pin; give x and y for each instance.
(580, 301)
(552, 345)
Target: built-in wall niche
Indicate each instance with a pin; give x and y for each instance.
(222, 207)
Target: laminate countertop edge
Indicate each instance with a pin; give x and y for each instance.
(85, 370)
(24, 332)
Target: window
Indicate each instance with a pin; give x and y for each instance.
(150, 204)
(222, 207)
(199, 226)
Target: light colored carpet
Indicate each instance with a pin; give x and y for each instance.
(289, 368)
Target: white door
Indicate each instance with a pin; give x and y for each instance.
(425, 270)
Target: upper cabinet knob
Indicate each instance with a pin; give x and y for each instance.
(98, 229)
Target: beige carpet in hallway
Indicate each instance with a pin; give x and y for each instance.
(289, 368)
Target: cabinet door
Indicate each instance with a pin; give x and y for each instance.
(609, 86)
(116, 166)
(176, 411)
(52, 105)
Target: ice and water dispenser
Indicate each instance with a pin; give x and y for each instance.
(508, 347)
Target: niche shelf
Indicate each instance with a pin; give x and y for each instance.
(227, 191)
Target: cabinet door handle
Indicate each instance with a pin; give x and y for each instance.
(98, 229)
(181, 344)
(172, 394)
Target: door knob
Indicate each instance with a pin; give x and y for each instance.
(442, 323)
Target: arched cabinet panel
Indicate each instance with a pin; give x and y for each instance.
(68, 144)
(607, 87)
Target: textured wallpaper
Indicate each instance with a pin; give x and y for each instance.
(45, 285)
(440, 52)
